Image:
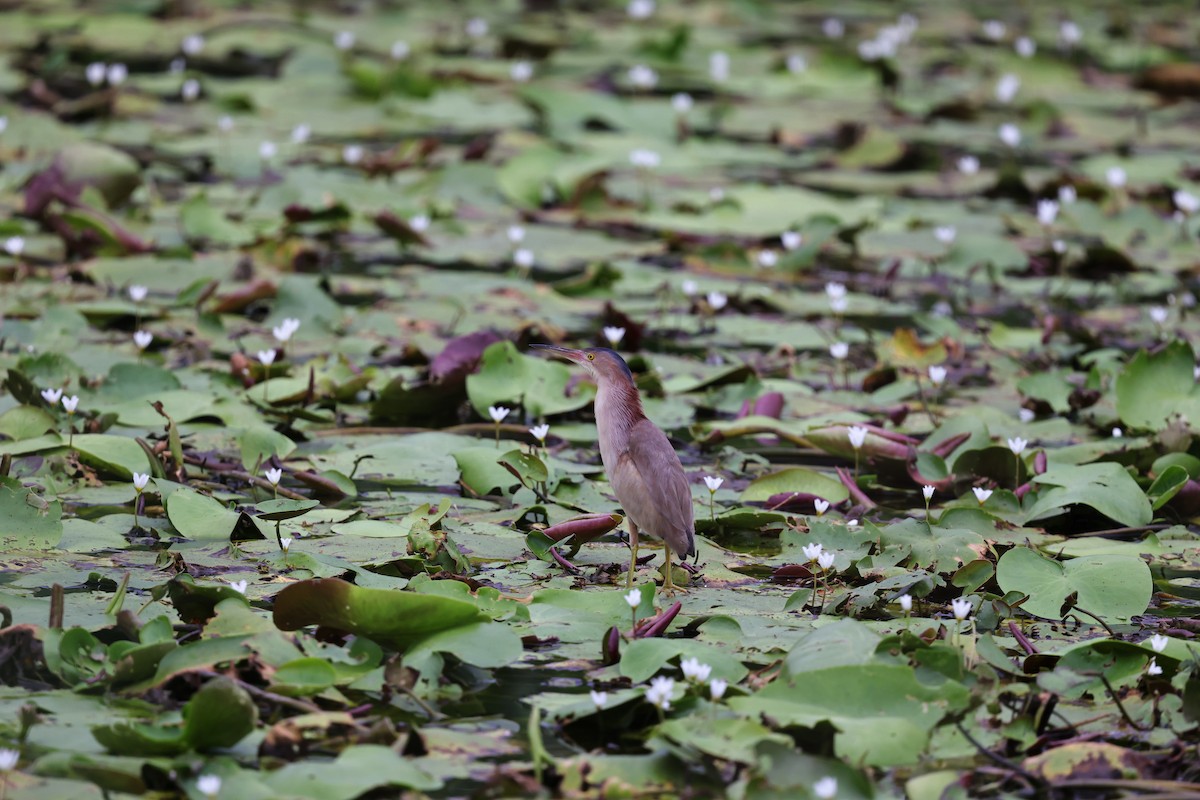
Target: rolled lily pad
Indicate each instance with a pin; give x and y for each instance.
(400, 618)
(279, 510)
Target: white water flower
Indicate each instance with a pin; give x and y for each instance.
(839, 350)
(937, 374)
(927, 491)
(95, 73)
(523, 258)
(1117, 433)
(644, 159)
(476, 27)
(52, 396)
(274, 476)
(521, 71)
(833, 28)
(14, 246)
(1017, 445)
(286, 329)
(1158, 642)
(689, 287)
(419, 222)
(70, 403)
(981, 494)
(267, 150)
(1047, 212)
(224, 123)
(140, 481)
(640, 9)
(659, 692)
(3, 123)
(1025, 47)
(400, 50)
(192, 44)
(515, 234)
(9, 759)
(713, 482)
(961, 607)
(718, 66)
(117, 73)
(767, 258)
(821, 506)
(1158, 314)
(613, 335)
(1009, 134)
(301, 132)
(498, 413)
(1007, 87)
(1153, 669)
(968, 165)
(209, 785)
(1026, 415)
(285, 543)
(352, 153)
(994, 29)
(796, 63)
(540, 432)
(826, 788)
(239, 586)
(790, 240)
(1186, 202)
(835, 290)
(825, 560)
(177, 66)
(633, 598)
(717, 300)
(344, 40)
(905, 602)
(1116, 177)
(643, 77)
(1067, 194)
(682, 102)
(693, 670)
(857, 435)
(266, 357)
(812, 551)
(143, 339)
(946, 234)
(190, 90)
(1069, 33)
(717, 687)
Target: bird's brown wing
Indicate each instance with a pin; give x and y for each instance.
(649, 482)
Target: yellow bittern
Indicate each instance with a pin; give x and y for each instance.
(642, 466)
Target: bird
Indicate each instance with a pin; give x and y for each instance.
(642, 467)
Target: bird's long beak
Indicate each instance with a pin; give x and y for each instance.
(565, 352)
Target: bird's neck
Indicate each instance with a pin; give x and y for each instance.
(618, 409)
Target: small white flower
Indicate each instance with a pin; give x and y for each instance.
(994, 29)
(1067, 194)
(821, 506)
(301, 132)
(1117, 433)
(286, 543)
(523, 257)
(682, 102)
(540, 432)
(834, 290)
(838, 305)
(857, 436)
(812, 551)
(1116, 177)
(70, 403)
(95, 73)
(400, 50)
(140, 481)
(190, 90)
(266, 357)
(498, 413)
(826, 788)
(1025, 47)
(9, 759)
(352, 153)
(905, 602)
(143, 339)
(1007, 87)
(1158, 642)
(343, 40)
(177, 66)
(3, 123)
(968, 165)
(713, 483)
(767, 258)
(833, 28)
(239, 586)
(613, 334)
(419, 222)
(1186, 202)
(946, 234)
(633, 598)
(796, 63)
(689, 288)
(516, 234)
(717, 687)
(1047, 212)
(1153, 668)
(14, 246)
(927, 490)
(640, 9)
(851, 523)
(51, 396)
(643, 77)
(224, 123)
(659, 692)
(599, 699)
(718, 66)
(825, 560)
(192, 44)
(1009, 134)
(1058, 246)
(790, 240)
(981, 494)
(1017, 445)
(521, 71)
(1026, 415)
(839, 350)
(716, 194)
(693, 670)
(1069, 33)
(274, 476)
(117, 73)
(961, 607)
(644, 159)
(286, 329)
(476, 27)
(209, 785)
(267, 150)
(937, 374)
(1158, 314)
(717, 300)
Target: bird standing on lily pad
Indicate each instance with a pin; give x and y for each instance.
(642, 466)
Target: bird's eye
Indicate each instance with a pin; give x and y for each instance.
(591, 356)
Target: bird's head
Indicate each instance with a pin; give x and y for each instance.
(601, 363)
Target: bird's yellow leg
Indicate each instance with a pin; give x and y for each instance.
(668, 584)
(633, 546)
